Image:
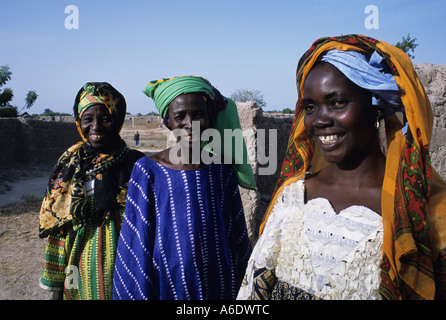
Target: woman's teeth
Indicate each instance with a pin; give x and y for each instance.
(329, 139)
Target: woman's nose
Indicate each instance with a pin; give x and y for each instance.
(96, 123)
(322, 118)
(187, 124)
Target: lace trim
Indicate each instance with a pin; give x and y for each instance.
(329, 255)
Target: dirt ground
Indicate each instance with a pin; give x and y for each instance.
(21, 249)
(21, 253)
(21, 192)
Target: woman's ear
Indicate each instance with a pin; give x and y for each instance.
(166, 121)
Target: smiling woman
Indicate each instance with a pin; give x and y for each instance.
(358, 210)
(83, 208)
(340, 117)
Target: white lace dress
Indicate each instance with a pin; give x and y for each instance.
(309, 248)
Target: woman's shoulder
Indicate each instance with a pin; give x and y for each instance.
(164, 160)
(160, 157)
(134, 155)
(288, 206)
(144, 170)
(145, 162)
(295, 190)
(129, 160)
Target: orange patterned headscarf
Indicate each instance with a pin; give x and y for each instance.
(413, 194)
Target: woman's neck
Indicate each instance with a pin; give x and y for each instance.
(180, 163)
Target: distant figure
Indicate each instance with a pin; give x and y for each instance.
(83, 208)
(136, 138)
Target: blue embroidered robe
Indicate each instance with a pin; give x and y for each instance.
(183, 236)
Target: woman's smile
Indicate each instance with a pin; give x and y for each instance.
(329, 140)
(97, 136)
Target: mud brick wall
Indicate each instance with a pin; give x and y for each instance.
(266, 171)
(433, 78)
(34, 141)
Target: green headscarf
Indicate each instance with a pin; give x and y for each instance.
(164, 91)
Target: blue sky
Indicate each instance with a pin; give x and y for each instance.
(234, 43)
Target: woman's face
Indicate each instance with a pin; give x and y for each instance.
(185, 109)
(99, 128)
(338, 114)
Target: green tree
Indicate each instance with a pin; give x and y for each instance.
(6, 95)
(287, 111)
(5, 75)
(8, 112)
(244, 95)
(407, 45)
(50, 113)
(31, 97)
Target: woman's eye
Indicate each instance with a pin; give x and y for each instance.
(198, 116)
(309, 108)
(339, 103)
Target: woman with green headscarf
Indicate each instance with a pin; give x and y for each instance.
(184, 233)
(83, 208)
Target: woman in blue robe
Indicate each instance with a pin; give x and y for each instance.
(184, 234)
